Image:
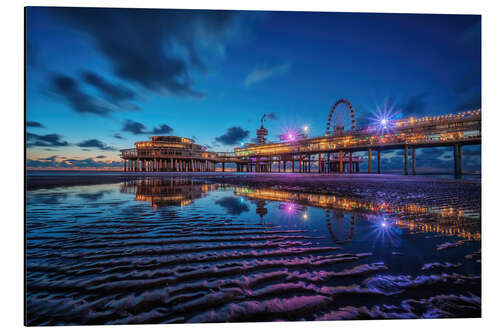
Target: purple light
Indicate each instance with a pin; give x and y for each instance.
(290, 208)
(290, 134)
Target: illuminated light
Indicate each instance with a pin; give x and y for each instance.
(306, 128)
(290, 208)
(305, 216)
(383, 122)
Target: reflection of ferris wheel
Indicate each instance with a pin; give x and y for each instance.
(341, 118)
(337, 219)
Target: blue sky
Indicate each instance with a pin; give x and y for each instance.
(99, 80)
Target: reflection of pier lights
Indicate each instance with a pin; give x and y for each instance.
(261, 209)
(160, 192)
(451, 220)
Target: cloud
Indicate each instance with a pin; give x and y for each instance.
(118, 136)
(232, 136)
(471, 102)
(100, 156)
(94, 143)
(34, 124)
(232, 205)
(468, 88)
(468, 81)
(416, 105)
(79, 101)
(114, 93)
(68, 163)
(135, 127)
(157, 49)
(439, 159)
(271, 116)
(163, 129)
(260, 73)
(49, 140)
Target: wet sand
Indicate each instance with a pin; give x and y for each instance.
(392, 189)
(464, 194)
(110, 254)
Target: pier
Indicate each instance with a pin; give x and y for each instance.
(333, 152)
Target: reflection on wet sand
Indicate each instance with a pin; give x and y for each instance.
(242, 254)
(449, 221)
(161, 192)
(446, 220)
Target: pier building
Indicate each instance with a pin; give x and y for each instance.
(168, 153)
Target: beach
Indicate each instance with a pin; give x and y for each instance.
(114, 248)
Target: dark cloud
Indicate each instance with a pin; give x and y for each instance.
(114, 93)
(431, 153)
(271, 116)
(157, 49)
(469, 81)
(100, 156)
(135, 127)
(416, 105)
(163, 129)
(50, 158)
(68, 163)
(70, 90)
(118, 136)
(34, 124)
(232, 205)
(471, 102)
(91, 163)
(94, 143)
(439, 159)
(49, 140)
(233, 136)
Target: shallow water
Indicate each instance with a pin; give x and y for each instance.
(163, 250)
